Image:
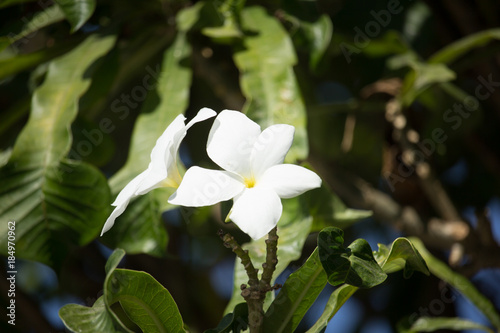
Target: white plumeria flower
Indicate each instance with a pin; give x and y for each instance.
(253, 176)
(162, 170)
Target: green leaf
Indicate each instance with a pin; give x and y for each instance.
(297, 295)
(140, 229)
(40, 20)
(113, 261)
(229, 13)
(77, 12)
(18, 63)
(5, 156)
(327, 209)
(354, 265)
(111, 264)
(234, 322)
(422, 77)
(267, 78)
(401, 255)
(335, 302)
(459, 282)
(58, 204)
(293, 229)
(188, 17)
(6, 3)
(455, 50)
(426, 324)
(319, 35)
(144, 300)
(83, 319)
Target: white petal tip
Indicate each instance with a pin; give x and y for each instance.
(207, 112)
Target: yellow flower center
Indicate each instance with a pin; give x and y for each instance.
(169, 182)
(249, 182)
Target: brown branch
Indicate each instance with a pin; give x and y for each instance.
(252, 272)
(271, 259)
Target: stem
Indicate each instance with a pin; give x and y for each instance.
(255, 293)
(230, 242)
(271, 259)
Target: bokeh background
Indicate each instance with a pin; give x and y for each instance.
(401, 120)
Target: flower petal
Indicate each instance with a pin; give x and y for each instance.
(256, 211)
(122, 200)
(163, 163)
(163, 156)
(289, 180)
(230, 141)
(271, 147)
(130, 190)
(204, 187)
(203, 114)
(111, 219)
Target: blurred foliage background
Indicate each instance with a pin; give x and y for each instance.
(396, 106)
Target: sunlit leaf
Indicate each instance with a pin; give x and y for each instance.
(83, 319)
(457, 49)
(402, 255)
(313, 36)
(421, 77)
(58, 204)
(145, 301)
(297, 295)
(427, 324)
(77, 12)
(354, 265)
(459, 282)
(335, 302)
(267, 77)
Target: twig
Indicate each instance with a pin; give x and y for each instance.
(231, 243)
(255, 293)
(271, 260)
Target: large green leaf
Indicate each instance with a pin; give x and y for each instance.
(140, 228)
(459, 282)
(145, 301)
(455, 50)
(293, 229)
(58, 204)
(335, 302)
(427, 324)
(354, 265)
(267, 78)
(77, 12)
(401, 255)
(83, 319)
(297, 295)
